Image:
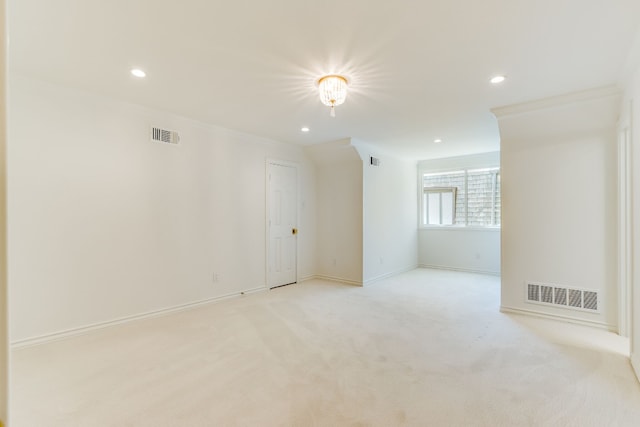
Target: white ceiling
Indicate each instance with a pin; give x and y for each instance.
(419, 70)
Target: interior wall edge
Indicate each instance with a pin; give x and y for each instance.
(390, 274)
(544, 315)
(635, 364)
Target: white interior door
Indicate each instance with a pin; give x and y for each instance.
(282, 224)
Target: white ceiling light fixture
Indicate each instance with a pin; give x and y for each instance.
(497, 79)
(138, 72)
(437, 141)
(305, 129)
(333, 91)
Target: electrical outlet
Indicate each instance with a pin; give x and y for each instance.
(215, 278)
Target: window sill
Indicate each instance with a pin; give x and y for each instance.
(457, 228)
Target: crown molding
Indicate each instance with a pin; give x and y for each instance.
(557, 101)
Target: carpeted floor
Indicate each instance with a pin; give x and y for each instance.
(426, 348)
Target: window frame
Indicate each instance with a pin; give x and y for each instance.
(423, 190)
(440, 191)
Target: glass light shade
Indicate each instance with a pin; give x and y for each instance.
(333, 90)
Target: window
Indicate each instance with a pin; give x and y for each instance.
(464, 198)
(449, 187)
(439, 205)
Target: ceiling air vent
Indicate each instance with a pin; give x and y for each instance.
(560, 296)
(164, 136)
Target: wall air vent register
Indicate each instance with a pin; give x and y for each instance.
(164, 136)
(562, 297)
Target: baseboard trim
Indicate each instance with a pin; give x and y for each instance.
(306, 278)
(390, 274)
(464, 270)
(68, 333)
(337, 279)
(365, 282)
(569, 319)
(635, 364)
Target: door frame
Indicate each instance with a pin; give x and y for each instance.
(278, 162)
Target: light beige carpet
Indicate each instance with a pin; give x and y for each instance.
(426, 348)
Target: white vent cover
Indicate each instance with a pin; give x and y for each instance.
(563, 297)
(164, 136)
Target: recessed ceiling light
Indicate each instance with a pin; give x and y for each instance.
(497, 79)
(138, 72)
(305, 129)
(437, 141)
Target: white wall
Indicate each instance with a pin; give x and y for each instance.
(390, 214)
(465, 249)
(474, 250)
(4, 339)
(339, 211)
(104, 224)
(559, 208)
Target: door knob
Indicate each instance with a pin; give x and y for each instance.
(294, 231)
